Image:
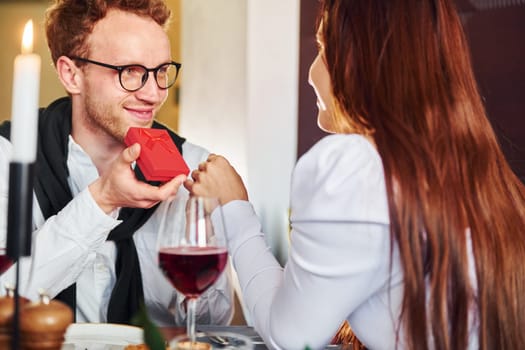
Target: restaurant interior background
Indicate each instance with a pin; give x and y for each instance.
(243, 88)
(238, 83)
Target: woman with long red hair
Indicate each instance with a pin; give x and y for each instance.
(408, 222)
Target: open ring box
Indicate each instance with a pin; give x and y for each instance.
(159, 159)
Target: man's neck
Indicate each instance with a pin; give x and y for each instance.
(100, 147)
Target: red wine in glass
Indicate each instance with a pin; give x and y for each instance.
(192, 269)
(191, 248)
(5, 261)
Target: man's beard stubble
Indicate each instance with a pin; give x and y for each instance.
(101, 120)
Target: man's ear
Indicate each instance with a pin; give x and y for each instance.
(69, 74)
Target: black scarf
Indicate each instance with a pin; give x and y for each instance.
(53, 193)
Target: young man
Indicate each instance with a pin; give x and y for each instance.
(94, 244)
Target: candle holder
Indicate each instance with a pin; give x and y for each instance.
(20, 209)
(19, 228)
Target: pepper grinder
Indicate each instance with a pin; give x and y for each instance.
(7, 309)
(43, 324)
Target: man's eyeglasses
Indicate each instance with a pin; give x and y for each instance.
(132, 77)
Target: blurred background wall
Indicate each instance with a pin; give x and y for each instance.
(13, 17)
(239, 95)
(495, 30)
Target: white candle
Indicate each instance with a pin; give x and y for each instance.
(24, 116)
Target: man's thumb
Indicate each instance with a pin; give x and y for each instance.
(131, 153)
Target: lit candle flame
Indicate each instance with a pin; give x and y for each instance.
(27, 39)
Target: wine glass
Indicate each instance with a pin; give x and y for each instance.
(192, 250)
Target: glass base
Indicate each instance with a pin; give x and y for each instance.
(212, 341)
(189, 345)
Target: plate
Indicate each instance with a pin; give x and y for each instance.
(101, 336)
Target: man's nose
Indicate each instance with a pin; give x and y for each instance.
(150, 90)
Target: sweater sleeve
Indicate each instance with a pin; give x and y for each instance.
(339, 251)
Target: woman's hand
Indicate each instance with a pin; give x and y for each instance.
(217, 178)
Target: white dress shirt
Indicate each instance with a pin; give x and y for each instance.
(71, 247)
(339, 261)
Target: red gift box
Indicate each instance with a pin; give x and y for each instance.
(159, 158)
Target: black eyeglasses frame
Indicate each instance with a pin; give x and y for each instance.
(145, 77)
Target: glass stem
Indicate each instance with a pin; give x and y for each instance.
(192, 303)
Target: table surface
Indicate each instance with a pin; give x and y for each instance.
(170, 332)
